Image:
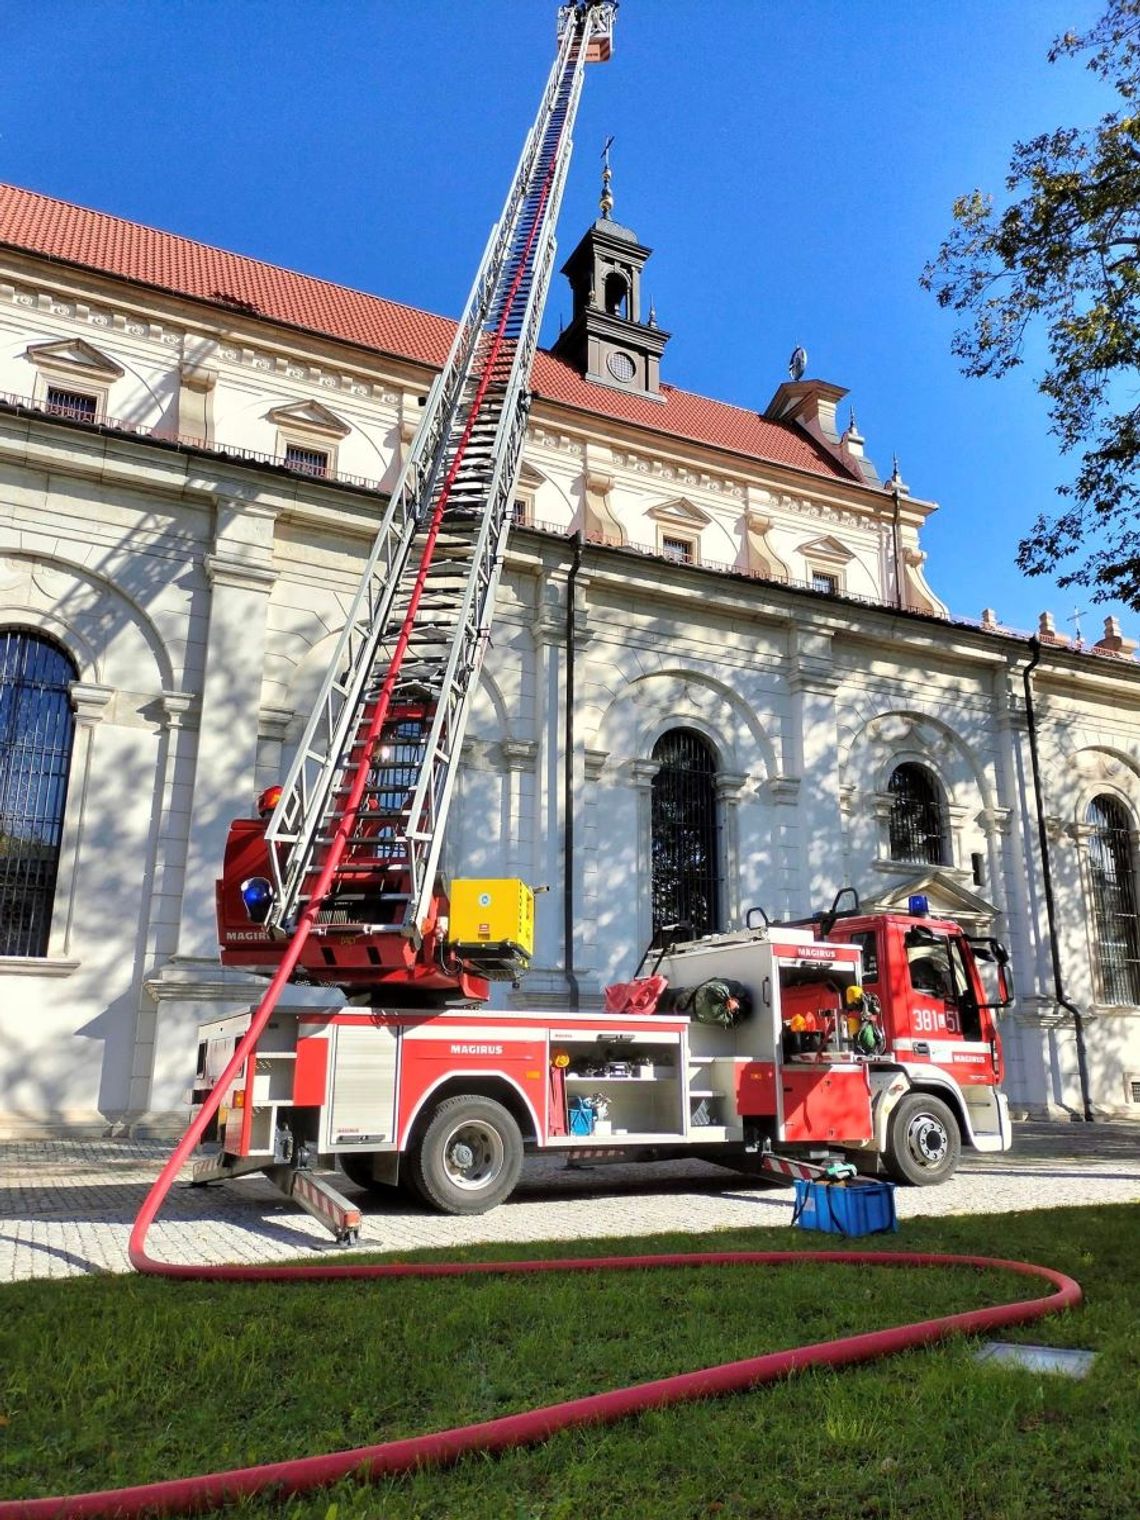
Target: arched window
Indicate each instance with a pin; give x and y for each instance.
(36, 728)
(918, 820)
(617, 296)
(685, 834)
(1112, 867)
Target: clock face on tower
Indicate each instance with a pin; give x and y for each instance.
(621, 366)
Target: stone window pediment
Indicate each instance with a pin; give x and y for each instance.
(826, 560)
(947, 896)
(827, 553)
(75, 359)
(525, 493)
(310, 418)
(680, 514)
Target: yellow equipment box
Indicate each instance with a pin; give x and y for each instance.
(492, 923)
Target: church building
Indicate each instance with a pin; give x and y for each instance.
(718, 677)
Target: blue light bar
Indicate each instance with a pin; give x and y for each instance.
(918, 905)
(257, 895)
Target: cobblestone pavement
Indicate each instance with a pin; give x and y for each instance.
(66, 1206)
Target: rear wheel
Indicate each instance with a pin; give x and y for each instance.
(469, 1157)
(924, 1143)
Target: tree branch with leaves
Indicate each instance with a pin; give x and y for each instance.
(1063, 256)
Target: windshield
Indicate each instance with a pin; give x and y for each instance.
(933, 971)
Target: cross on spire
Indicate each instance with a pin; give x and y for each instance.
(606, 201)
(1075, 618)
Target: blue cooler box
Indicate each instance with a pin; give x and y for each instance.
(581, 1117)
(841, 1208)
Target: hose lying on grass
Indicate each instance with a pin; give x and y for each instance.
(211, 1490)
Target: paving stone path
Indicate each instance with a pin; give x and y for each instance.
(66, 1206)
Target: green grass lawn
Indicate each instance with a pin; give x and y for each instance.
(115, 1380)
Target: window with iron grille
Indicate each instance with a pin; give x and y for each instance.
(72, 404)
(311, 461)
(685, 833)
(1112, 869)
(821, 581)
(918, 821)
(683, 550)
(36, 728)
(520, 512)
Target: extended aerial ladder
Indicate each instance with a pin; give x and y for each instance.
(352, 847)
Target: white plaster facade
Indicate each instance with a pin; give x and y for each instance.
(199, 586)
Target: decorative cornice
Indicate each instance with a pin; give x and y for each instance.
(95, 314)
(995, 821)
(644, 464)
(242, 575)
(730, 784)
(801, 506)
(560, 443)
(180, 709)
(813, 679)
(548, 626)
(273, 723)
(784, 791)
(596, 763)
(643, 773)
(89, 702)
(136, 325)
(36, 965)
(519, 754)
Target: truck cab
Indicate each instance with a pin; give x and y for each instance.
(939, 992)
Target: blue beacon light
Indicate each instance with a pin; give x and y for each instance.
(257, 895)
(918, 905)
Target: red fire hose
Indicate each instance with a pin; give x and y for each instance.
(211, 1490)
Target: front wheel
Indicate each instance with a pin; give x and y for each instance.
(924, 1143)
(469, 1156)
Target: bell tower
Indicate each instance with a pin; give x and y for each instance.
(607, 341)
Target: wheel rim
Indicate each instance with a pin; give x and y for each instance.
(473, 1155)
(927, 1141)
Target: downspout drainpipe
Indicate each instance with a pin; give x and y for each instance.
(568, 743)
(1047, 885)
(895, 482)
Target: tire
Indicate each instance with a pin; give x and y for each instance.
(469, 1157)
(924, 1143)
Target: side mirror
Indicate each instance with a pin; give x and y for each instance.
(992, 952)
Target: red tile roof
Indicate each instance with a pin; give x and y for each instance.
(40, 224)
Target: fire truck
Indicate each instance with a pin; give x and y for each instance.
(777, 1049)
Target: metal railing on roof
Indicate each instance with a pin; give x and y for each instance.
(103, 422)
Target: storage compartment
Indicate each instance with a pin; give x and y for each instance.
(825, 1102)
(634, 1074)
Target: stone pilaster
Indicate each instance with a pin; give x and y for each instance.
(814, 741)
(241, 576)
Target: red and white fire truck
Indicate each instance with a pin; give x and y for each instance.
(876, 1044)
(820, 1038)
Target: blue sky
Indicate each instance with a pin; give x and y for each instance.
(792, 166)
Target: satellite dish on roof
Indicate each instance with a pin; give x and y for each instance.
(797, 364)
